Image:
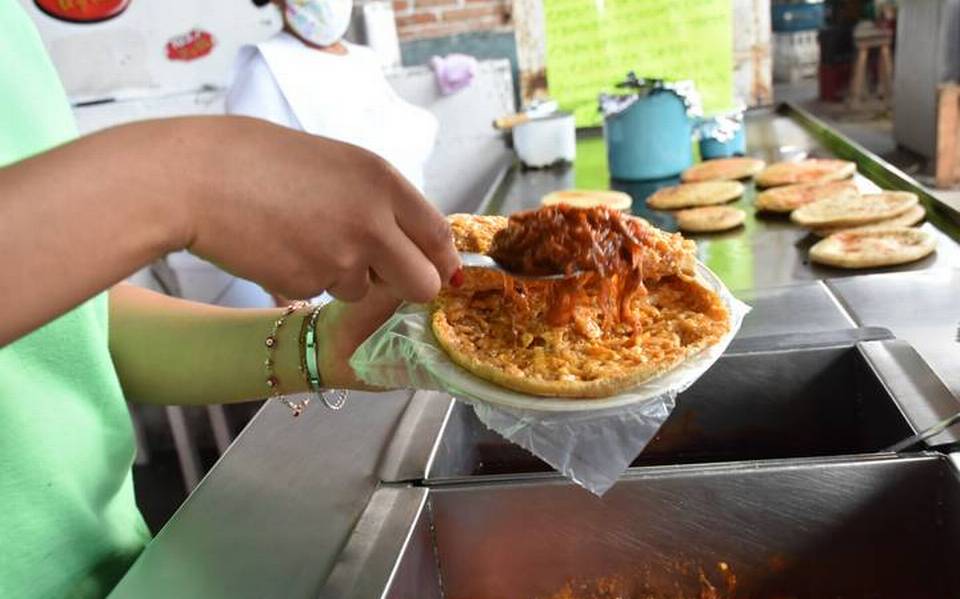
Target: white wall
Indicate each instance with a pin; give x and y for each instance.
(468, 152)
(124, 59)
(126, 56)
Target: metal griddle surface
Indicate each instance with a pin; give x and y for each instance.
(767, 251)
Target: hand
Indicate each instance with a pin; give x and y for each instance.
(342, 327)
(301, 214)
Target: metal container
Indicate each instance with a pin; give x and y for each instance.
(712, 146)
(546, 140)
(754, 403)
(883, 527)
(927, 55)
(722, 135)
(649, 133)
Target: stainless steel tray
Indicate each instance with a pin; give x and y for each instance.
(766, 251)
(806, 307)
(918, 307)
(872, 527)
(826, 395)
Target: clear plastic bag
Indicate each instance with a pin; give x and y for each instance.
(590, 442)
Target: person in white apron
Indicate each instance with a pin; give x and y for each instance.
(307, 77)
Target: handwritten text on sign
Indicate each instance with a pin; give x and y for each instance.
(592, 44)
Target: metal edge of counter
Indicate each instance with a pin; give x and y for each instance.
(888, 176)
(918, 391)
(271, 518)
(415, 441)
(493, 200)
(367, 566)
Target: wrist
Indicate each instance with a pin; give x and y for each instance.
(188, 156)
(325, 348)
(287, 354)
(334, 351)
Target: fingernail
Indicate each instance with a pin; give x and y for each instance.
(457, 279)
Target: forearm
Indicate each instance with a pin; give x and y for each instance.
(77, 219)
(172, 351)
(213, 185)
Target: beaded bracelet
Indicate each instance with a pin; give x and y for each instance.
(308, 362)
(297, 407)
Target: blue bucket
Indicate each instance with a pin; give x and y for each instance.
(649, 139)
(722, 136)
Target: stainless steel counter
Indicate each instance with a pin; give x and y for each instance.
(878, 526)
(271, 517)
(280, 514)
(768, 251)
(922, 308)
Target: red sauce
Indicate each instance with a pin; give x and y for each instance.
(562, 239)
(605, 246)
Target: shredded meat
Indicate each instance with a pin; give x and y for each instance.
(563, 239)
(615, 255)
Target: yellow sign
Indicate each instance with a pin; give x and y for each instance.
(592, 44)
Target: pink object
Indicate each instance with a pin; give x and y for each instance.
(454, 71)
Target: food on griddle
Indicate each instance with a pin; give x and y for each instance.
(811, 170)
(688, 195)
(723, 169)
(635, 310)
(852, 212)
(788, 198)
(587, 198)
(710, 219)
(911, 217)
(874, 248)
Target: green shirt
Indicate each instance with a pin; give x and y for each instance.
(69, 525)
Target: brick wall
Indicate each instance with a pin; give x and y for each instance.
(419, 19)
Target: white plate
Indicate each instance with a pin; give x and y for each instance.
(460, 382)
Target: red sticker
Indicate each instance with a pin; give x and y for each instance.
(83, 11)
(191, 46)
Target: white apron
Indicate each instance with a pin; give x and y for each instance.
(346, 98)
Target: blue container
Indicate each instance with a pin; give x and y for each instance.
(650, 139)
(712, 148)
(722, 137)
(797, 16)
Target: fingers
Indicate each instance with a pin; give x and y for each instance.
(344, 328)
(430, 231)
(405, 270)
(362, 318)
(352, 286)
